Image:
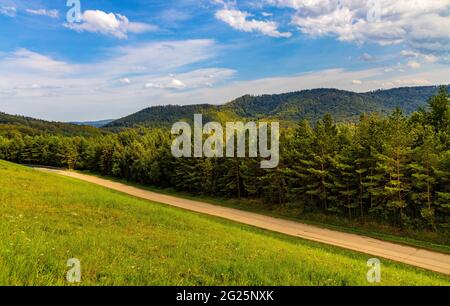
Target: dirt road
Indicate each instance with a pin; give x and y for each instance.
(413, 256)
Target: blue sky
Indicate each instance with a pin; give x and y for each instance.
(122, 56)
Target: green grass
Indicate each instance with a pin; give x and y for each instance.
(46, 219)
(434, 241)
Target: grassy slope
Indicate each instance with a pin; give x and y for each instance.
(426, 240)
(46, 219)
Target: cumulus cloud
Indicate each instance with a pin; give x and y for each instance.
(109, 24)
(240, 21)
(423, 25)
(430, 58)
(417, 56)
(44, 12)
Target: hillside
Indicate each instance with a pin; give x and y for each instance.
(31, 126)
(46, 220)
(289, 107)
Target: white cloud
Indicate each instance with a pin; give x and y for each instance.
(31, 62)
(414, 65)
(200, 78)
(367, 57)
(156, 58)
(9, 11)
(42, 86)
(240, 21)
(154, 85)
(356, 82)
(423, 25)
(407, 82)
(430, 58)
(176, 84)
(409, 53)
(109, 24)
(44, 12)
(422, 58)
(172, 84)
(125, 81)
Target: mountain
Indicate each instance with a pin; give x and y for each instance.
(31, 126)
(97, 124)
(288, 108)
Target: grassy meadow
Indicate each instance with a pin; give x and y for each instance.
(433, 241)
(120, 240)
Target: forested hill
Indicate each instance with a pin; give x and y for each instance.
(289, 107)
(30, 126)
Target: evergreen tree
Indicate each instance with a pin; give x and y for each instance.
(393, 162)
(424, 162)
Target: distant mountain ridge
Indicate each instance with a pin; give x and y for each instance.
(97, 124)
(289, 107)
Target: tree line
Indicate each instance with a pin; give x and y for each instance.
(394, 169)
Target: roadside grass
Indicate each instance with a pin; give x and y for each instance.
(439, 242)
(46, 219)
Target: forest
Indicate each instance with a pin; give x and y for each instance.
(394, 168)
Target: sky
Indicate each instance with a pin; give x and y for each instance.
(70, 60)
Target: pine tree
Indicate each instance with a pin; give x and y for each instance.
(323, 148)
(297, 153)
(442, 202)
(439, 117)
(251, 173)
(393, 162)
(274, 187)
(424, 162)
(368, 143)
(345, 182)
